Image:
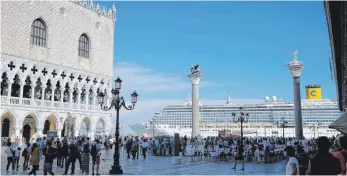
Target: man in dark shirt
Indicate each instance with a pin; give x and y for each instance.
(49, 152)
(324, 163)
(73, 155)
(64, 154)
(303, 160)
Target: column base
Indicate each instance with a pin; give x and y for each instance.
(116, 170)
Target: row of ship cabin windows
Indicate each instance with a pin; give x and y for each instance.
(289, 123)
(39, 37)
(331, 112)
(255, 116)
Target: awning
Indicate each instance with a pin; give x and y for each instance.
(340, 124)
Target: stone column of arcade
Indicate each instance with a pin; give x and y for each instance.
(195, 77)
(92, 135)
(17, 132)
(76, 132)
(295, 68)
(39, 131)
(59, 132)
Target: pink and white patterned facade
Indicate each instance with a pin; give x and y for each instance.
(56, 56)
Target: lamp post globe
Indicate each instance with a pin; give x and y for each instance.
(134, 96)
(118, 84)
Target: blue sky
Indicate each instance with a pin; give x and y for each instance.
(241, 46)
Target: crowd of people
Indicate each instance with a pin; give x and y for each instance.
(65, 152)
(321, 156)
(309, 156)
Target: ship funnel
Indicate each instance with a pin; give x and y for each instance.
(313, 92)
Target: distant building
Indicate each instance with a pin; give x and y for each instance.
(56, 56)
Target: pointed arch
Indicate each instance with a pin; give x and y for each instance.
(32, 114)
(38, 33)
(85, 125)
(51, 123)
(12, 113)
(103, 121)
(84, 46)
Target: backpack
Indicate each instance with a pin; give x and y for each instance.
(25, 153)
(93, 150)
(13, 153)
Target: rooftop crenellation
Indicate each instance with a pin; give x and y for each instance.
(96, 7)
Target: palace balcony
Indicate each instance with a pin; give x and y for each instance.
(17, 102)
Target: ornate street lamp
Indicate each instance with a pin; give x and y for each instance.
(118, 103)
(243, 118)
(282, 125)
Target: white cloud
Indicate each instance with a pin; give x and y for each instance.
(149, 81)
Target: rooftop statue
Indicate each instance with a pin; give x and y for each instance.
(294, 55)
(195, 70)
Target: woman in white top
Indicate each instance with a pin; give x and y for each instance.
(292, 167)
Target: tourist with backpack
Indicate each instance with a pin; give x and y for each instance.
(95, 153)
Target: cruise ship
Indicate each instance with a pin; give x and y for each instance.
(265, 119)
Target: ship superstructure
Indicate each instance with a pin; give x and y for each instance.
(264, 118)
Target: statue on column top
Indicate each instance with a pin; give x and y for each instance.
(294, 55)
(195, 70)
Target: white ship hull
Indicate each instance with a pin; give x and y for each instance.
(264, 118)
(147, 130)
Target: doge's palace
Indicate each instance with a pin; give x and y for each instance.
(56, 58)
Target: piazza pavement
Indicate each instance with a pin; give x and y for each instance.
(159, 166)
